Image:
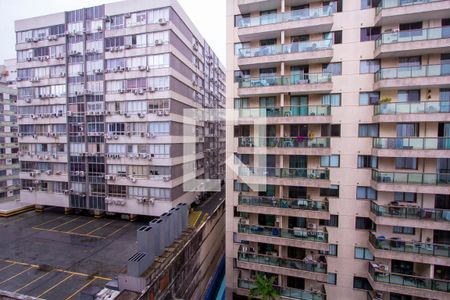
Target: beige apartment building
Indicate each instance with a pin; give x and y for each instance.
(340, 132)
(102, 93)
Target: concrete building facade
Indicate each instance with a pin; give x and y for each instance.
(9, 146)
(101, 97)
(341, 130)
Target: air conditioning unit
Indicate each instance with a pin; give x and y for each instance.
(127, 15)
(29, 58)
(31, 189)
(166, 178)
(128, 46)
(151, 201)
(28, 39)
(35, 79)
(162, 21)
(37, 172)
(48, 172)
(159, 42)
(122, 91)
(312, 226)
(151, 89)
(58, 172)
(28, 100)
(140, 200)
(32, 174)
(141, 115)
(142, 68)
(160, 113)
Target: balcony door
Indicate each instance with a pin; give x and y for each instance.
(445, 64)
(445, 28)
(299, 74)
(298, 161)
(299, 105)
(444, 135)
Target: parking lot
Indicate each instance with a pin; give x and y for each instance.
(55, 256)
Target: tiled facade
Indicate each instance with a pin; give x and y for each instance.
(342, 132)
(101, 97)
(9, 160)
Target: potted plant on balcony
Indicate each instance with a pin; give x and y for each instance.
(264, 288)
(385, 100)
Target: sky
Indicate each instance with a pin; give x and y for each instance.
(207, 15)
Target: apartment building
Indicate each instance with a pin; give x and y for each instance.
(102, 93)
(9, 161)
(340, 130)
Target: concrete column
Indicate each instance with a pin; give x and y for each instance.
(98, 214)
(283, 6)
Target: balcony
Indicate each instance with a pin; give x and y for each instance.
(285, 146)
(413, 77)
(428, 111)
(284, 206)
(248, 6)
(307, 52)
(295, 84)
(409, 11)
(413, 42)
(398, 249)
(284, 266)
(427, 183)
(303, 21)
(286, 176)
(309, 114)
(286, 292)
(407, 284)
(411, 147)
(410, 216)
(295, 237)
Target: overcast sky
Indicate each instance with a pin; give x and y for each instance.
(207, 15)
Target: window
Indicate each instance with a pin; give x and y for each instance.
(332, 278)
(408, 96)
(409, 163)
(241, 74)
(369, 66)
(365, 223)
(333, 68)
(405, 197)
(365, 4)
(363, 253)
(331, 161)
(361, 283)
(241, 103)
(412, 61)
(369, 98)
(407, 130)
(332, 250)
(239, 46)
(330, 130)
(365, 193)
(332, 222)
(337, 37)
(370, 33)
(332, 100)
(333, 191)
(368, 130)
(367, 161)
(403, 230)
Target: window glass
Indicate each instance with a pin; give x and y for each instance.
(369, 98)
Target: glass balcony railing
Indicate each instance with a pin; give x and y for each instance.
(405, 212)
(286, 111)
(291, 203)
(413, 72)
(286, 291)
(383, 4)
(301, 14)
(430, 107)
(412, 143)
(409, 246)
(285, 172)
(409, 280)
(276, 261)
(277, 142)
(412, 108)
(413, 35)
(306, 46)
(411, 178)
(272, 80)
(295, 234)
